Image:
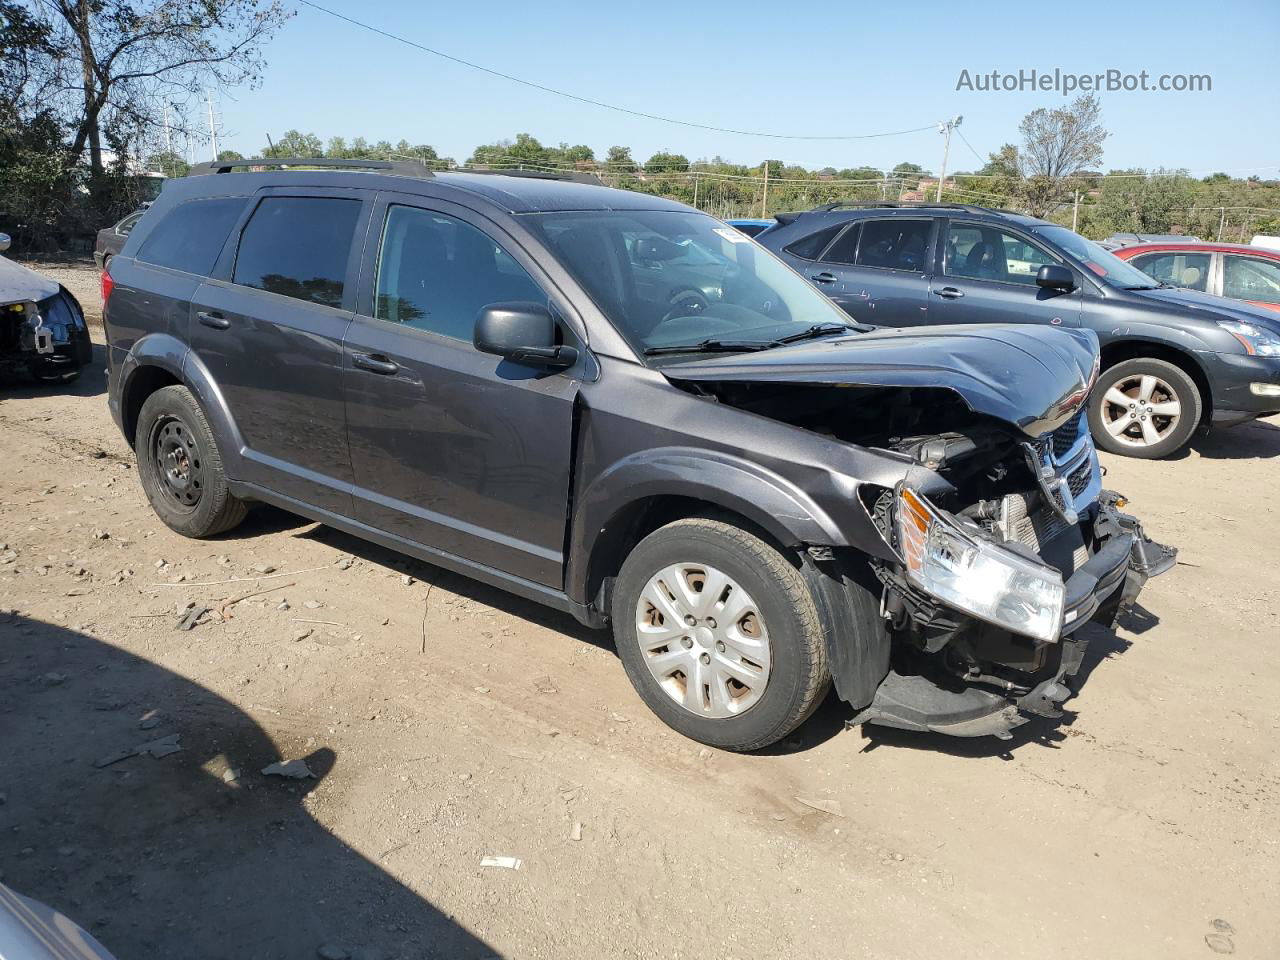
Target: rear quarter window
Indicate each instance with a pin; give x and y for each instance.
(191, 235)
(808, 248)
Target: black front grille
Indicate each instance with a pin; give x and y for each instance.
(1065, 437)
(1080, 478)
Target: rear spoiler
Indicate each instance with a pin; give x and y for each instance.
(785, 218)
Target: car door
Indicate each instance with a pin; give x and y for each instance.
(876, 270)
(987, 274)
(459, 450)
(269, 328)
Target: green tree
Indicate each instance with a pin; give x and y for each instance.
(666, 162)
(294, 143)
(1059, 145)
(228, 156)
(170, 163)
(618, 160)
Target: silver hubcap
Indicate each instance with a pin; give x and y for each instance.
(704, 640)
(1140, 410)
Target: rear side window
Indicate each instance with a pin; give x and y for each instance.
(809, 247)
(894, 244)
(842, 250)
(191, 235)
(298, 247)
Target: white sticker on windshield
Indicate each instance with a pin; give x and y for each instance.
(732, 235)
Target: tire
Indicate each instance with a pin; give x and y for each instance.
(180, 466)
(771, 629)
(1123, 421)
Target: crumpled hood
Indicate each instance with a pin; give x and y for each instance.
(1033, 377)
(1214, 308)
(17, 283)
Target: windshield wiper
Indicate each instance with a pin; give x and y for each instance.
(1147, 286)
(713, 346)
(823, 330)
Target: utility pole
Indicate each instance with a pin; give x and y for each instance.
(764, 197)
(1075, 213)
(945, 129)
(695, 190)
(1222, 221)
(213, 127)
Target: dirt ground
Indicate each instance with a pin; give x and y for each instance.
(446, 722)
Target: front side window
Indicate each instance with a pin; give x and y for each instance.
(1101, 263)
(894, 244)
(1251, 278)
(191, 235)
(437, 273)
(298, 247)
(712, 283)
(1189, 270)
(986, 253)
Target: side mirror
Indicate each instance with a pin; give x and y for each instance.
(1054, 276)
(522, 332)
(4, 242)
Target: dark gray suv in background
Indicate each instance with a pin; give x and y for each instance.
(625, 409)
(1172, 360)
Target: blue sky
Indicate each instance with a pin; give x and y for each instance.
(826, 69)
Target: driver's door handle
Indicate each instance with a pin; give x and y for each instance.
(375, 364)
(824, 277)
(215, 320)
(949, 293)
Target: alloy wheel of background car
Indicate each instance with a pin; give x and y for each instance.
(704, 640)
(743, 594)
(180, 466)
(1144, 408)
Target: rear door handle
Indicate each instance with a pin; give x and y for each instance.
(949, 293)
(215, 320)
(824, 277)
(375, 363)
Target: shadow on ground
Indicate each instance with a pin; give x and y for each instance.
(164, 857)
(92, 382)
(1256, 440)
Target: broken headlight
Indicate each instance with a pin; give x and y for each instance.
(973, 575)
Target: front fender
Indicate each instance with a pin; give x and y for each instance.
(723, 480)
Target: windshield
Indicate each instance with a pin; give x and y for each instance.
(1102, 262)
(669, 279)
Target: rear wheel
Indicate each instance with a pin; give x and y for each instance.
(1144, 408)
(180, 467)
(719, 634)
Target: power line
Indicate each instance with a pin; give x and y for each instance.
(601, 103)
(966, 142)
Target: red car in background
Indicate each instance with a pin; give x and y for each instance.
(1234, 270)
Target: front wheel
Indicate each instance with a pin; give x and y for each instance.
(719, 634)
(1144, 408)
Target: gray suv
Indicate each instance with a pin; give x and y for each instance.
(627, 410)
(1172, 360)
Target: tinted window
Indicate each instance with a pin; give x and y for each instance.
(894, 244)
(809, 247)
(842, 250)
(1189, 270)
(985, 253)
(298, 247)
(191, 235)
(125, 226)
(1249, 278)
(436, 273)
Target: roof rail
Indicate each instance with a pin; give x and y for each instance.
(909, 204)
(404, 168)
(400, 167)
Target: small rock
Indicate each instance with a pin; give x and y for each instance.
(101, 535)
(1219, 943)
(618, 718)
(230, 775)
(480, 689)
(98, 454)
(312, 604)
(464, 777)
(576, 833)
(149, 720)
(161, 563)
(283, 605)
(406, 580)
(331, 951)
(264, 568)
(386, 621)
(296, 769)
(344, 563)
(302, 635)
(1223, 927)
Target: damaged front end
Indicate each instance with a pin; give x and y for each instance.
(999, 569)
(46, 339)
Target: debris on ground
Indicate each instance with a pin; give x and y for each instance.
(576, 833)
(230, 775)
(543, 684)
(149, 720)
(506, 863)
(826, 806)
(295, 769)
(193, 616)
(152, 748)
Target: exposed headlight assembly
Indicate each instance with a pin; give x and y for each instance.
(1256, 341)
(973, 575)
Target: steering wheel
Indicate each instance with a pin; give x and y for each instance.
(685, 303)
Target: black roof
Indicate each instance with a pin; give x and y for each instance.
(513, 190)
(846, 210)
